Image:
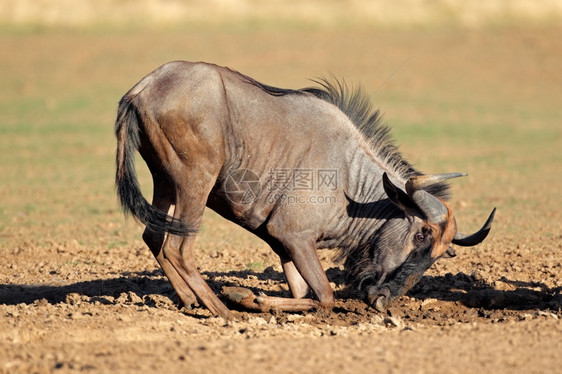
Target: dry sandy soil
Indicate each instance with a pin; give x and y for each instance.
(79, 291)
(84, 316)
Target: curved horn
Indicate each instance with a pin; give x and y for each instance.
(476, 238)
(432, 207)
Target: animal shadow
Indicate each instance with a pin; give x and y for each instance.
(138, 285)
(142, 286)
(475, 293)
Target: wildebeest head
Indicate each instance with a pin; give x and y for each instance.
(407, 245)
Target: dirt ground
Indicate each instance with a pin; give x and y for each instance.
(83, 319)
(79, 291)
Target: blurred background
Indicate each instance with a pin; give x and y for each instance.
(380, 13)
(472, 86)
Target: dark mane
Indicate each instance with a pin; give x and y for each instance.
(356, 105)
(275, 91)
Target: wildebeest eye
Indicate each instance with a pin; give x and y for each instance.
(422, 235)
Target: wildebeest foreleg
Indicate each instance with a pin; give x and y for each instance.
(305, 258)
(302, 271)
(245, 298)
(299, 287)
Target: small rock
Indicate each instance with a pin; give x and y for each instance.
(128, 298)
(73, 298)
(476, 276)
(294, 317)
(428, 301)
(258, 321)
(41, 302)
(393, 321)
(525, 317)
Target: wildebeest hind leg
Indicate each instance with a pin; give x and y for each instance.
(179, 251)
(163, 199)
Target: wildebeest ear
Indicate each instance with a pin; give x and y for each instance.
(398, 197)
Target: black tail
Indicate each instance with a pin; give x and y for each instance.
(126, 181)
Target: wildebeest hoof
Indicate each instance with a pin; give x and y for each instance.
(380, 304)
(378, 298)
(245, 298)
(185, 302)
(238, 295)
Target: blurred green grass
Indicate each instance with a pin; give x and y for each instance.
(483, 101)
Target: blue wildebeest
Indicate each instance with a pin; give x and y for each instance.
(214, 137)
